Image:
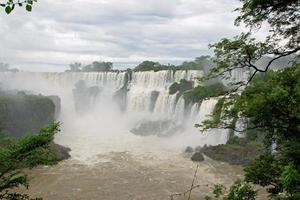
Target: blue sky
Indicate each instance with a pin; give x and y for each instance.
(125, 32)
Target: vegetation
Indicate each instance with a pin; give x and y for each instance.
(269, 104)
(237, 151)
(200, 63)
(202, 92)
(238, 191)
(148, 66)
(26, 152)
(244, 51)
(181, 87)
(9, 5)
(217, 112)
(23, 114)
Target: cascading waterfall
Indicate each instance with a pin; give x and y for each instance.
(145, 96)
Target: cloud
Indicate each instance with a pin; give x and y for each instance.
(59, 32)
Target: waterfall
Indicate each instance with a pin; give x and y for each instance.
(146, 93)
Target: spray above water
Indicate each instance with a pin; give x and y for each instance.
(100, 108)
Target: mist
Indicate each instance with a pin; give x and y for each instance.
(93, 123)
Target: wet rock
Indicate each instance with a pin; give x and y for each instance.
(61, 152)
(161, 128)
(197, 157)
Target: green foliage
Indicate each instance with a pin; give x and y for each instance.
(9, 5)
(273, 105)
(24, 114)
(270, 103)
(217, 112)
(281, 15)
(148, 66)
(238, 151)
(181, 87)
(29, 151)
(241, 191)
(264, 171)
(238, 191)
(200, 63)
(202, 92)
(244, 52)
(291, 181)
(218, 190)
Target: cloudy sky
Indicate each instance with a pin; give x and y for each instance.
(58, 32)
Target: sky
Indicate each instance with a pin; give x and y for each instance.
(125, 32)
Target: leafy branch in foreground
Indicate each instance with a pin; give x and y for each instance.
(10, 5)
(243, 52)
(27, 152)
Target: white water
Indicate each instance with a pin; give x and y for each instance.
(104, 128)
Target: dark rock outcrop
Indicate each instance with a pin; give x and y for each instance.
(161, 128)
(22, 114)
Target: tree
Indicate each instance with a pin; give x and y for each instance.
(243, 51)
(9, 5)
(148, 66)
(26, 152)
(270, 103)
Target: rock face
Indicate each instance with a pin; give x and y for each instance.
(161, 128)
(22, 114)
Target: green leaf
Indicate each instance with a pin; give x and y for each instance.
(2, 4)
(28, 8)
(8, 9)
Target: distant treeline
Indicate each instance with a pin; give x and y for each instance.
(200, 63)
(204, 63)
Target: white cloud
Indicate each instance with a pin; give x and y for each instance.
(59, 32)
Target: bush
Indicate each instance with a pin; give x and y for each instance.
(202, 92)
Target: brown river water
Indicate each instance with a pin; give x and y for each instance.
(124, 176)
